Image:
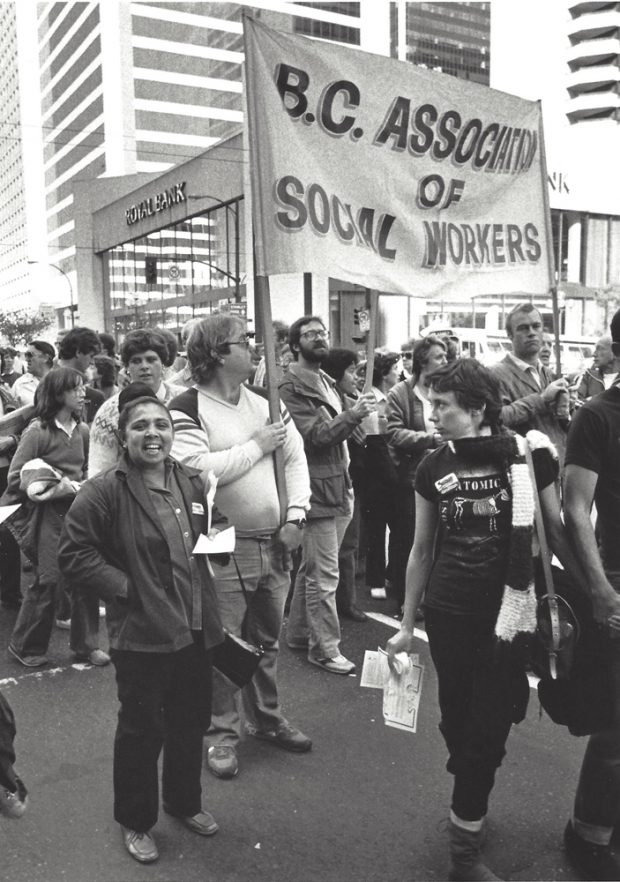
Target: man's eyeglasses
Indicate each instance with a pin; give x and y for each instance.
(315, 335)
(244, 341)
(408, 354)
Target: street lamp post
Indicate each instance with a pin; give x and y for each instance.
(62, 272)
(136, 301)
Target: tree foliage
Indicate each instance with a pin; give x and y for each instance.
(21, 325)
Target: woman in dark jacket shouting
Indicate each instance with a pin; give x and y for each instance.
(129, 537)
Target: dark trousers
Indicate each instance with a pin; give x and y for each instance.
(165, 701)
(597, 803)
(378, 512)
(84, 637)
(402, 528)
(33, 628)
(10, 564)
(480, 695)
(10, 568)
(7, 751)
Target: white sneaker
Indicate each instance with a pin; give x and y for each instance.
(336, 665)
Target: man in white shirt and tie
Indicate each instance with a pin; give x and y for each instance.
(528, 389)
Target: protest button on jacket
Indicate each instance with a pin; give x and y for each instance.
(114, 546)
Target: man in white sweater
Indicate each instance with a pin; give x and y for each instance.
(222, 426)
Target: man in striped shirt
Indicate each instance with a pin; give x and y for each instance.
(222, 426)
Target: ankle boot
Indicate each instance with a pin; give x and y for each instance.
(467, 865)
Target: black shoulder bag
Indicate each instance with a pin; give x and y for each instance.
(235, 658)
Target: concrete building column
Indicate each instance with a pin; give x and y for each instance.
(118, 84)
(574, 222)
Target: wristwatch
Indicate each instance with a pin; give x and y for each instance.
(300, 523)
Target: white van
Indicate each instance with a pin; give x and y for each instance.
(477, 343)
(489, 347)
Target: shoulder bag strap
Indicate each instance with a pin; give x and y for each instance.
(546, 565)
(245, 596)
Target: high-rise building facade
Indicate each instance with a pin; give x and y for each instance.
(13, 267)
(453, 38)
(138, 87)
(572, 68)
(134, 89)
(594, 61)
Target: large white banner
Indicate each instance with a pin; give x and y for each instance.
(384, 174)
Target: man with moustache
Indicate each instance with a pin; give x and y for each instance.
(528, 389)
(308, 393)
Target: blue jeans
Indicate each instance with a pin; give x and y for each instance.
(597, 802)
(266, 582)
(346, 593)
(313, 617)
(35, 620)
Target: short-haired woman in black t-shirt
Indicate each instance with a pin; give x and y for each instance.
(472, 555)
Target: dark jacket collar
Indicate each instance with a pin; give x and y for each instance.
(525, 376)
(128, 472)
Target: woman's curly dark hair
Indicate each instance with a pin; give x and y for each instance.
(474, 387)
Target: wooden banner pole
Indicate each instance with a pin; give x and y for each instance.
(263, 305)
(553, 287)
(371, 338)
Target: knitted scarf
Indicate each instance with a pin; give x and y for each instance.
(506, 450)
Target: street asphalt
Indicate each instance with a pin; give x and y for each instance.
(367, 804)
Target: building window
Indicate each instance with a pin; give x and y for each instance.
(192, 268)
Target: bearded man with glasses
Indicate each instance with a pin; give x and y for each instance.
(315, 406)
(222, 426)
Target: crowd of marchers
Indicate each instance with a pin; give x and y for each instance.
(413, 483)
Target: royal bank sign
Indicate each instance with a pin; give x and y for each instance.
(154, 204)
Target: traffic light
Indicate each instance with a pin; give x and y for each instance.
(361, 318)
(150, 270)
